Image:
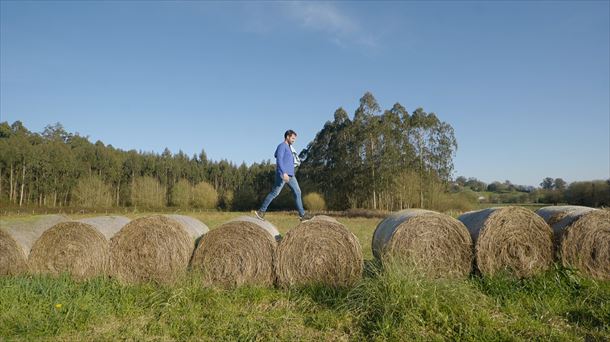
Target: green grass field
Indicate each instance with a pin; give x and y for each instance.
(392, 305)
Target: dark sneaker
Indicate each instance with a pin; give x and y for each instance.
(305, 218)
(260, 214)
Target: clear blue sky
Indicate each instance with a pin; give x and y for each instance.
(525, 85)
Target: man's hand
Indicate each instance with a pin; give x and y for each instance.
(285, 177)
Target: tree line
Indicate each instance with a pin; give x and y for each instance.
(376, 159)
(593, 193)
(379, 160)
(57, 168)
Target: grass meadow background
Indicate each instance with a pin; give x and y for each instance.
(388, 305)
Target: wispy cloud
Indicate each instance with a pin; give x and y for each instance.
(331, 20)
(326, 18)
(322, 16)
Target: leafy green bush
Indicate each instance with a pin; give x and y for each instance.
(182, 193)
(148, 192)
(460, 201)
(314, 201)
(205, 196)
(226, 200)
(92, 192)
(244, 199)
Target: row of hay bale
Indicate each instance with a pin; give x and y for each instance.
(160, 248)
(511, 239)
(246, 250)
(155, 248)
(581, 238)
(17, 238)
(104, 245)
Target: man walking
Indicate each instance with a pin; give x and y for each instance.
(286, 161)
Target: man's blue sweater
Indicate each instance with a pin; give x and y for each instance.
(285, 162)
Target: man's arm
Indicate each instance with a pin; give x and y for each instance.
(280, 161)
(286, 162)
(278, 158)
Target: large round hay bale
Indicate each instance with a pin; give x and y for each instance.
(553, 214)
(582, 238)
(433, 243)
(79, 247)
(511, 239)
(238, 252)
(195, 228)
(154, 248)
(325, 217)
(319, 251)
(17, 237)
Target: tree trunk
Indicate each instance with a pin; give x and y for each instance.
(55, 192)
(16, 187)
(118, 191)
(421, 176)
(133, 183)
(22, 185)
(374, 200)
(29, 192)
(373, 173)
(10, 195)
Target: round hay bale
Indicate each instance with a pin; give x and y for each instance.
(238, 252)
(154, 248)
(582, 238)
(79, 247)
(17, 237)
(435, 244)
(554, 214)
(324, 217)
(319, 251)
(195, 228)
(510, 238)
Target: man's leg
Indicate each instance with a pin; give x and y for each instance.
(277, 188)
(296, 190)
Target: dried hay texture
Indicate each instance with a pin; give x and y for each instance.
(238, 252)
(319, 251)
(193, 226)
(17, 237)
(80, 247)
(511, 239)
(154, 248)
(582, 238)
(433, 243)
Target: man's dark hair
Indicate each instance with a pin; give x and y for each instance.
(289, 133)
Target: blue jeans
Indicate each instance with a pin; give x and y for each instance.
(277, 188)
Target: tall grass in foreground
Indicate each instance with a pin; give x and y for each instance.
(400, 305)
(392, 304)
